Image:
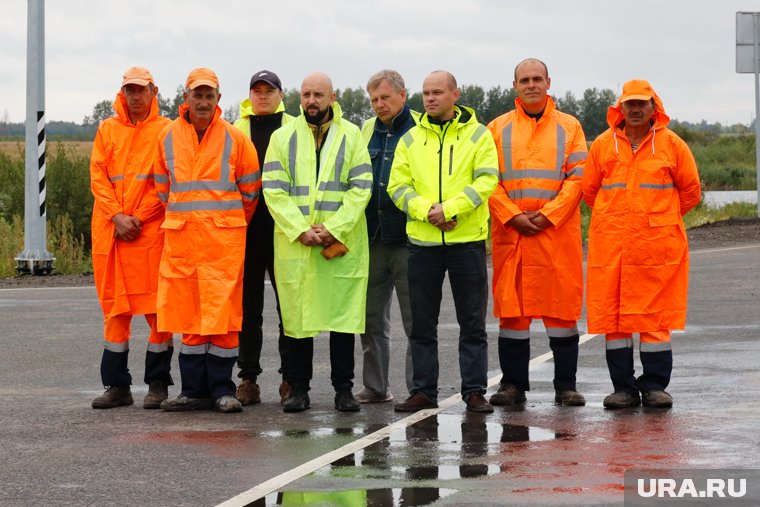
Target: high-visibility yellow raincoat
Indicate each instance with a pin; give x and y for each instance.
(540, 169)
(455, 166)
(243, 123)
(332, 187)
(638, 257)
(121, 179)
(211, 189)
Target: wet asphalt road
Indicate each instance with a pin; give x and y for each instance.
(56, 450)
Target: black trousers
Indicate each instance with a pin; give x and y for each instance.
(301, 359)
(259, 260)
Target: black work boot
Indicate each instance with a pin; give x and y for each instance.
(345, 401)
(565, 352)
(514, 359)
(115, 396)
(298, 400)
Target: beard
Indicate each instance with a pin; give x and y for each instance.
(315, 119)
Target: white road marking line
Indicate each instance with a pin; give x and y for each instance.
(50, 288)
(276, 483)
(726, 249)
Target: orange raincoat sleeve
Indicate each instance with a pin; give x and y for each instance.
(100, 183)
(248, 174)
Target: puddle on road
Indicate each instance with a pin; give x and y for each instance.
(443, 447)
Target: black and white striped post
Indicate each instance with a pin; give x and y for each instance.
(35, 258)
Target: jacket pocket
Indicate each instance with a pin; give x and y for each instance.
(664, 219)
(174, 224)
(227, 222)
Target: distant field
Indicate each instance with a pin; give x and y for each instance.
(80, 148)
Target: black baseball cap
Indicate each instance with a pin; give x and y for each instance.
(268, 77)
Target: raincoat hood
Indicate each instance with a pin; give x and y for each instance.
(615, 115)
(246, 108)
(122, 110)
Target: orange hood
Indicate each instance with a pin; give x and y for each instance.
(121, 108)
(661, 119)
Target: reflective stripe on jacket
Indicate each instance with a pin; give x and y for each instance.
(211, 189)
(317, 294)
(540, 169)
(455, 165)
(121, 180)
(638, 258)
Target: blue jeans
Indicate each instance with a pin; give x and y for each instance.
(466, 265)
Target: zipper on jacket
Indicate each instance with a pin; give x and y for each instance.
(451, 158)
(441, 139)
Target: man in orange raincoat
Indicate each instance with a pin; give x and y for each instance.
(127, 240)
(536, 233)
(640, 179)
(207, 172)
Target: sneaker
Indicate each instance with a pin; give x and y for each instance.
(284, 391)
(297, 402)
(345, 401)
(115, 396)
(476, 402)
(184, 403)
(367, 395)
(569, 398)
(508, 394)
(622, 399)
(656, 398)
(248, 392)
(157, 392)
(415, 402)
(228, 404)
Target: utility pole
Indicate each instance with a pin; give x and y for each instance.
(748, 61)
(35, 258)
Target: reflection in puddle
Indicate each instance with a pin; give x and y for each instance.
(443, 447)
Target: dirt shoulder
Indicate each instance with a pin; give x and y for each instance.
(726, 233)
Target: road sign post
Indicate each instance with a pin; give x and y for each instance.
(748, 61)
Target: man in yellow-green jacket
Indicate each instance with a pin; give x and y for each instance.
(317, 181)
(443, 172)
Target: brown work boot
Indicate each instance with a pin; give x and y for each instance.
(248, 393)
(157, 392)
(415, 402)
(508, 394)
(570, 398)
(656, 398)
(621, 399)
(284, 392)
(114, 396)
(476, 402)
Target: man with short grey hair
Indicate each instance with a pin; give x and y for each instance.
(386, 225)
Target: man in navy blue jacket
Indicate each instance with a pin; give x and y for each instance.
(386, 225)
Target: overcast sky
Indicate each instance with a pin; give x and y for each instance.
(685, 48)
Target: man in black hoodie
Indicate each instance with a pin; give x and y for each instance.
(261, 113)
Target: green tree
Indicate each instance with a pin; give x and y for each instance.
(100, 111)
(498, 101)
(593, 114)
(355, 105)
(292, 100)
(472, 96)
(568, 104)
(169, 107)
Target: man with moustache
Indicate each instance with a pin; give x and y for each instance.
(207, 173)
(260, 114)
(317, 181)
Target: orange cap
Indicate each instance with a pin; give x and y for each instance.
(137, 75)
(637, 89)
(201, 77)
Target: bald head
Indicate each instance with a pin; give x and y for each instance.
(532, 61)
(317, 97)
(439, 95)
